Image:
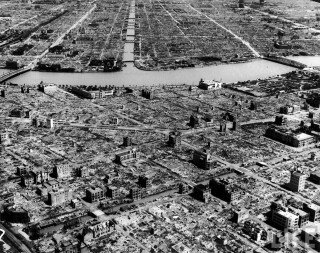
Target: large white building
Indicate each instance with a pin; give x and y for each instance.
(285, 220)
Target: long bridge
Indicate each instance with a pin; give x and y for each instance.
(11, 74)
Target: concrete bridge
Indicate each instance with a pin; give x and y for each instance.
(11, 74)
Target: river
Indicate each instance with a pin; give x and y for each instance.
(133, 76)
(311, 61)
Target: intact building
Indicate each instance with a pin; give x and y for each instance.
(95, 194)
(297, 182)
(59, 197)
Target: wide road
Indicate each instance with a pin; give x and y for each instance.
(244, 42)
(12, 240)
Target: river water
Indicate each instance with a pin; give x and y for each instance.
(312, 61)
(133, 76)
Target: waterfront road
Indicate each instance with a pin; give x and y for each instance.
(13, 241)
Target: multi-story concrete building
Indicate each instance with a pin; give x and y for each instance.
(289, 138)
(137, 193)
(59, 196)
(113, 192)
(201, 192)
(21, 170)
(4, 137)
(303, 216)
(40, 176)
(297, 182)
(94, 194)
(126, 155)
(313, 211)
(97, 229)
(315, 177)
(144, 181)
(285, 220)
(82, 171)
(224, 189)
(202, 159)
(62, 171)
(47, 187)
(27, 180)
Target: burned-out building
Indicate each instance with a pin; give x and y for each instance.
(15, 214)
(202, 159)
(224, 189)
(59, 196)
(289, 109)
(113, 192)
(287, 137)
(144, 181)
(174, 139)
(127, 141)
(148, 94)
(62, 171)
(40, 176)
(27, 180)
(194, 121)
(201, 192)
(137, 193)
(95, 194)
(126, 155)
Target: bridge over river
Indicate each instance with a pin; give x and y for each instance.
(6, 76)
